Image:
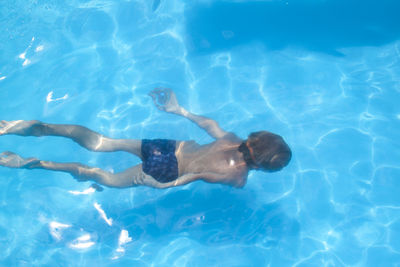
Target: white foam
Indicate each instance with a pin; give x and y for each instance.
(22, 56)
(124, 238)
(50, 98)
(56, 229)
(103, 215)
(88, 191)
(39, 48)
(82, 242)
(26, 62)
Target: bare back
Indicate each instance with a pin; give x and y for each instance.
(220, 157)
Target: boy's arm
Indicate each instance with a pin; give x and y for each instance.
(182, 180)
(185, 179)
(165, 100)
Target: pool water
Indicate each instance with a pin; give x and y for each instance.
(324, 74)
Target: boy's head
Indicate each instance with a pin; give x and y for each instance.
(266, 151)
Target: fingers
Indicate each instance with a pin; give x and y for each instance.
(164, 99)
(156, 94)
(160, 91)
(160, 96)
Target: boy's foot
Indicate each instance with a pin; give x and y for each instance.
(19, 127)
(12, 160)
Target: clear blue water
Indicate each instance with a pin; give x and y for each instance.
(322, 73)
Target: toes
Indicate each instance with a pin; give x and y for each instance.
(7, 153)
(5, 158)
(12, 160)
(4, 126)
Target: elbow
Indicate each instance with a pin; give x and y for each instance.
(213, 124)
(209, 124)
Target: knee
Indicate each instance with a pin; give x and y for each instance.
(99, 143)
(90, 142)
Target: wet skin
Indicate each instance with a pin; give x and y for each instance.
(217, 162)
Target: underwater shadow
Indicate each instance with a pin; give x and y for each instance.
(217, 216)
(321, 26)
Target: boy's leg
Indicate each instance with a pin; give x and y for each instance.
(83, 136)
(131, 177)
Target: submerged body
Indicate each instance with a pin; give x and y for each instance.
(218, 161)
(166, 163)
(220, 157)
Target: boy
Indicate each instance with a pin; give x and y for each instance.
(165, 163)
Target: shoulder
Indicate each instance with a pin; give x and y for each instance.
(229, 136)
(227, 142)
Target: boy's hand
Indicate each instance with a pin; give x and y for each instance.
(165, 100)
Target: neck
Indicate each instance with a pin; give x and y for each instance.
(247, 156)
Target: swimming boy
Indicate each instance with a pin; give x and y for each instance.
(165, 163)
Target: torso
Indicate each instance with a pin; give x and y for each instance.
(220, 157)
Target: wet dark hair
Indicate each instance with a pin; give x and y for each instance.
(269, 151)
